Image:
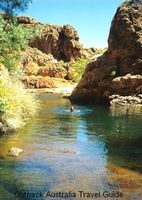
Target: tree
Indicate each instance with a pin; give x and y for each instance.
(13, 7)
(13, 39)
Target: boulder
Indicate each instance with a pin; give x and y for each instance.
(124, 56)
(10, 125)
(52, 71)
(38, 82)
(26, 20)
(13, 124)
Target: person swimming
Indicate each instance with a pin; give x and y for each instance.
(72, 109)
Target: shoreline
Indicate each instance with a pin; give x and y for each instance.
(65, 90)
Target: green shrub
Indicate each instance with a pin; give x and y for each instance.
(113, 73)
(10, 63)
(13, 39)
(79, 67)
(127, 2)
(15, 101)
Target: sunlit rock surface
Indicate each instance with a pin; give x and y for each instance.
(15, 151)
(124, 56)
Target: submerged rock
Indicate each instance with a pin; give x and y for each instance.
(14, 151)
(124, 56)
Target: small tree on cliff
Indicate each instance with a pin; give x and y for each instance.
(13, 36)
(13, 7)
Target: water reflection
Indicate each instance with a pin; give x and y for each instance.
(88, 150)
(121, 134)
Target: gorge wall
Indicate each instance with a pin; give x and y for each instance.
(124, 56)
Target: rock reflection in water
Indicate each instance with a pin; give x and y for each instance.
(63, 151)
(128, 110)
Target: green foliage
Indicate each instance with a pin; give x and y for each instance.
(2, 106)
(13, 39)
(15, 102)
(79, 67)
(10, 63)
(13, 36)
(13, 7)
(113, 73)
(127, 1)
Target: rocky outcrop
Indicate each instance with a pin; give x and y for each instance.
(51, 53)
(34, 55)
(126, 100)
(40, 69)
(124, 56)
(127, 85)
(38, 82)
(27, 20)
(60, 41)
(53, 71)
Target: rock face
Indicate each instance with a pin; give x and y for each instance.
(38, 82)
(127, 85)
(124, 56)
(26, 20)
(50, 54)
(62, 42)
(126, 100)
(40, 69)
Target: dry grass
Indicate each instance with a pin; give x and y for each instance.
(15, 101)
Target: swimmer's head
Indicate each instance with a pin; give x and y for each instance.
(71, 108)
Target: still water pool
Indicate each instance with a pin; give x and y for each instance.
(93, 150)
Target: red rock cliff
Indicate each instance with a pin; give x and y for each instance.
(60, 41)
(124, 56)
